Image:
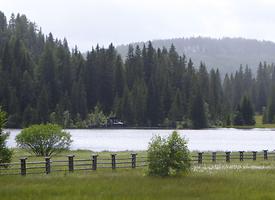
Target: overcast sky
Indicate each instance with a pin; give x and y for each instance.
(87, 22)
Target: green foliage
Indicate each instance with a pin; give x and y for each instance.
(67, 121)
(168, 156)
(244, 114)
(238, 118)
(96, 118)
(269, 113)
(198, 113)
(44, 139)
(247, 111)
(5, 153)
(175, 113)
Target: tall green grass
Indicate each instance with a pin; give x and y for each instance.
(133, 184)
(234, 180)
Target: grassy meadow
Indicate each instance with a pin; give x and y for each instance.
(133, 184)
(236, 180)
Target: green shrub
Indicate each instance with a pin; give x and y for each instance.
(44, 139)
(168, 156)
(96, 118)
(5, 153)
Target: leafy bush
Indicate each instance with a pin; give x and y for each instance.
(44, 139)
(97, 118)
(168, 156)
(5, 153)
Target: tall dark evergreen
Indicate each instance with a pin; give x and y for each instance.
(244, 113)
(270, 109)
(247, 111)
(238, 117)
(176, 110)
(215, 95)
(197, 112)
(262, 86)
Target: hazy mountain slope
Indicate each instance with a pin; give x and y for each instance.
(226, 54)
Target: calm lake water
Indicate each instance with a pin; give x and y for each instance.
(202, 140)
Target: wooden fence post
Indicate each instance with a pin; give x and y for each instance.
(241, 155)
(71, 163)
(134, 160)
(113, 161)
(23, 167)
(214, 156)
(265, 155)
(227, 156)
(48, 165)
(254, 155)
(200, 157)
(94, 162)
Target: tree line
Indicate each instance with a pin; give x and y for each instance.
(42, 80)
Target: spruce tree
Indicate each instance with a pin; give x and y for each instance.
(244, 114)
(270, 110)
(127, 107)
(197, 112)
(139, 98)
(238, 117)
(247, 111)
(119, 78)
(176, 111)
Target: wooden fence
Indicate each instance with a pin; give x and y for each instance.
(228, 156)
(71, 164)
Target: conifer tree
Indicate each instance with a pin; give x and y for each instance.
(270, 110)
(197, 112)
(238, 117)
(247, 111)
(176, 111)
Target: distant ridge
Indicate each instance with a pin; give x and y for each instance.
(227, 54)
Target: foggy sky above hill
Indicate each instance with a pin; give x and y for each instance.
(86, 23)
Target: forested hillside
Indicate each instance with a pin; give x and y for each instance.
(226, 54)
(42, 80)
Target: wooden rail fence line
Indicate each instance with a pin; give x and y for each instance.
(71, 164)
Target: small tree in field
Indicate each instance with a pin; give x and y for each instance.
(44, 139)
(168, 156)
(5, 153)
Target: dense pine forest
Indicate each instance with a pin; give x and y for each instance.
(42, 80)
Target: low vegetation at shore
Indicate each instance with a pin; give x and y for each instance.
(259, 124)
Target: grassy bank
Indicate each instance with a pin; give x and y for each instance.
(236, 180)
(132, 184)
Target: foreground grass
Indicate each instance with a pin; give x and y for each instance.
(236, 180)
(132, 184)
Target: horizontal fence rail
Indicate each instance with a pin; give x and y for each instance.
(71, 164)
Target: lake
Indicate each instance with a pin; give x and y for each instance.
(137, 139)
